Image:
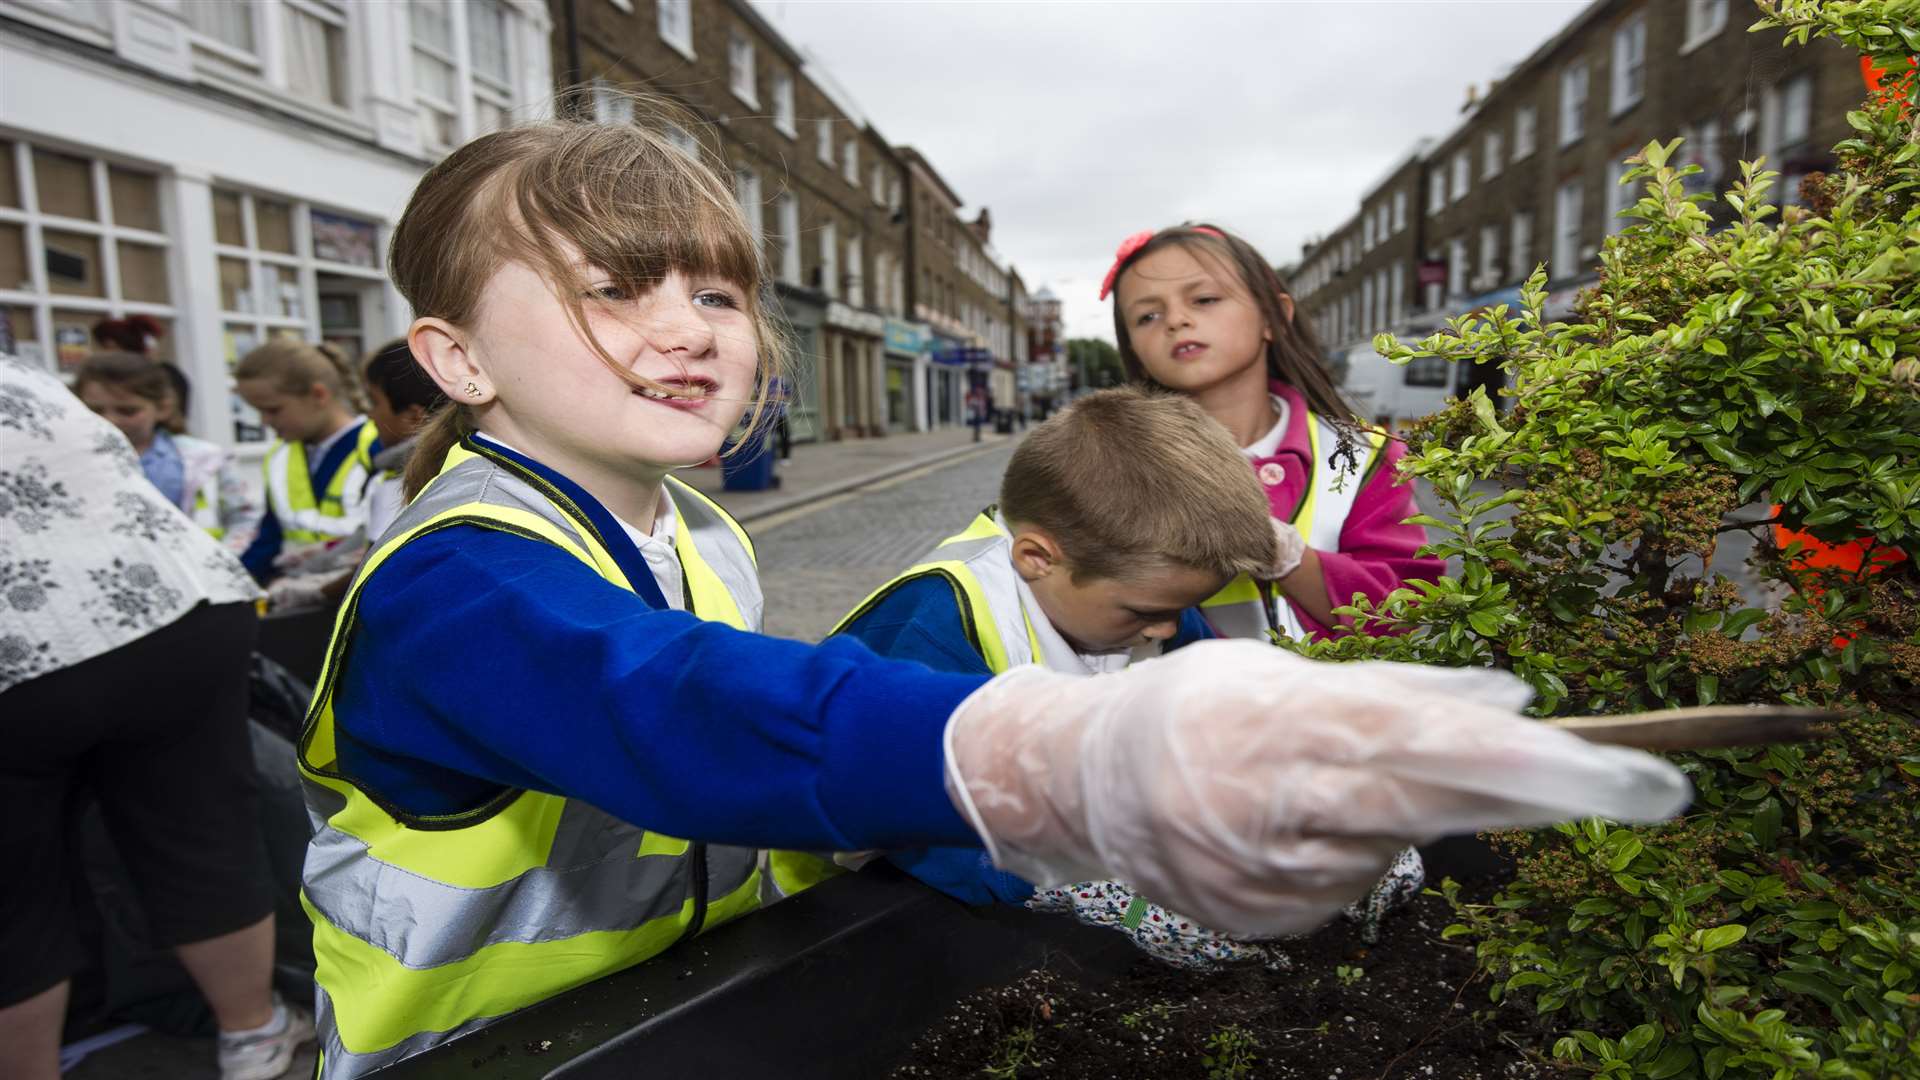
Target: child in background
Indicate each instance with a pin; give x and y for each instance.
(545, 746)
(316, 474)
(1116, 518)
(400, 397)
(199, 477)
(1197, 310)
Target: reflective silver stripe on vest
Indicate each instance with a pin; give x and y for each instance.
(730, 561)
(991, 561)
(424, 923)
(478, 480)
(339, 1062)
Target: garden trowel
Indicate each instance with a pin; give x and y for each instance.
(1705, 727)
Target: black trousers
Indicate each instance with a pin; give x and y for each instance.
(156, 732)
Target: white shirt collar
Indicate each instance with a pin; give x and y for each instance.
(1269, 444)
(655, 547)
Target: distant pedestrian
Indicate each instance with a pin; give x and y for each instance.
(125, 637)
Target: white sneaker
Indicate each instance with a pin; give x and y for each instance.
(267, 1051)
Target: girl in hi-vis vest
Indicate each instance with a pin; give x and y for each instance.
(316, 474)
(548, 743)
(1197, 310)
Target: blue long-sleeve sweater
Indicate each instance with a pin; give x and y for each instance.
(920, 620)
(484, 661)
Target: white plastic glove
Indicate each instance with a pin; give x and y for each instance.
(294, 557)
(1259, 791)
(1291, 548)
(297, 591)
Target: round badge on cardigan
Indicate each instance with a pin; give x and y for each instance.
(1272, 473)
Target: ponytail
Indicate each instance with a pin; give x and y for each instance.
(351, 387)
(448, 425)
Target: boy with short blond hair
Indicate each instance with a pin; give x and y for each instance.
(1116, 518)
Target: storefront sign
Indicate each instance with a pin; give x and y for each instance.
(844, 317)
(908, 338)
(345, 240)
(1433, 272)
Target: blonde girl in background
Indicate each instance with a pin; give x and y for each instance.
(316, 474)
(548, 743)
(199, 477)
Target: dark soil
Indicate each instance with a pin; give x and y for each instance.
(1413, 1011)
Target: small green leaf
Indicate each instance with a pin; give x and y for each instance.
(1721, 936)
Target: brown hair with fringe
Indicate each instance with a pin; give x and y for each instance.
(634, 205)
(133, 373)
(1293, 356)
(1130, 480)
(295, 366)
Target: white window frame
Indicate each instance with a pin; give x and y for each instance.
(1628, 75)
(877, 182)
(1366, 303)
(783, 116)
(1366, 229)
(1702, 148)
(1520, 244)
(788, 212)
(302, 261)
(823, 140)
(471, 87)
(856, 271)
(1619, 197)
(829, 260)
(1490, 270)
(682, 140)
(746, 191)
(1399, 211)
(850, 161)
(1457, 267)
(1462, 174)
(674, 23)
(1567, 209)
(610, 107)
(1705, 20)
(1526, 131)
(743, 80)
(1491, 154)
(39, 299)
(1574, 84)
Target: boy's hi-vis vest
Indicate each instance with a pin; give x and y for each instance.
(978, 565)
(426, 928)
(1250, 609)
(304, 517)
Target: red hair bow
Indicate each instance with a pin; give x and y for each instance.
(1130, 247)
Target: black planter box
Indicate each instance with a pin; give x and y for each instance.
(834, 983)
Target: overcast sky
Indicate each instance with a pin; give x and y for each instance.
(1079, 123)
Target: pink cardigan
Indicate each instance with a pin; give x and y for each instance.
(1376, 553)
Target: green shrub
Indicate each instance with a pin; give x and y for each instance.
(1774, 931)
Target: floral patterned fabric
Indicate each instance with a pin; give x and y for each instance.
(1181, 942)
(92, 556)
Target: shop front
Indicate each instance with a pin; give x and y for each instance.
(852, 382)
(906, 357)
(805, 316)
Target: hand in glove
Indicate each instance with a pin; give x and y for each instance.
(1259, 791)
(293, 557)
(1160, 933)
(1291, 548)
(299, 591)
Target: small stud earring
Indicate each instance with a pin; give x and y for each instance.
(473, 390)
